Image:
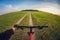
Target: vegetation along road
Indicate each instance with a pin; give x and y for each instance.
(32, 18)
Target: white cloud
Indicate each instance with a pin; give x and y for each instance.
(44, 6)
(48, 7)
(8, 6)
(11, 8)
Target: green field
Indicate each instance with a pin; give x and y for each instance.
(7, 20)
(39, 18)
(53, 23)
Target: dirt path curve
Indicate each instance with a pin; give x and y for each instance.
(31, 24)
(20, 20)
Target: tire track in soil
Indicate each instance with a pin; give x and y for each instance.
(31, 24)
(20, 20)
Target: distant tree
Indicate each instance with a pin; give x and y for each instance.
(30, 10)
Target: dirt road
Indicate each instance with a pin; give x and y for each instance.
(20, 20)
(31, 24)
(30, 20)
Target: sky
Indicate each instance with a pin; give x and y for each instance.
(52, 6)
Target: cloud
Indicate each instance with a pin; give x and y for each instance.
(8, 6)
(11, 8)
(48, 7)
(43, 6)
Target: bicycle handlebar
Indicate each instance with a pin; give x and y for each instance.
(22, 27)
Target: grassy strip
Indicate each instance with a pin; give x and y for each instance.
(7, 20)
(52, 32)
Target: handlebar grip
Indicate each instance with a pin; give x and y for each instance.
(40, 27)
(45, 26)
